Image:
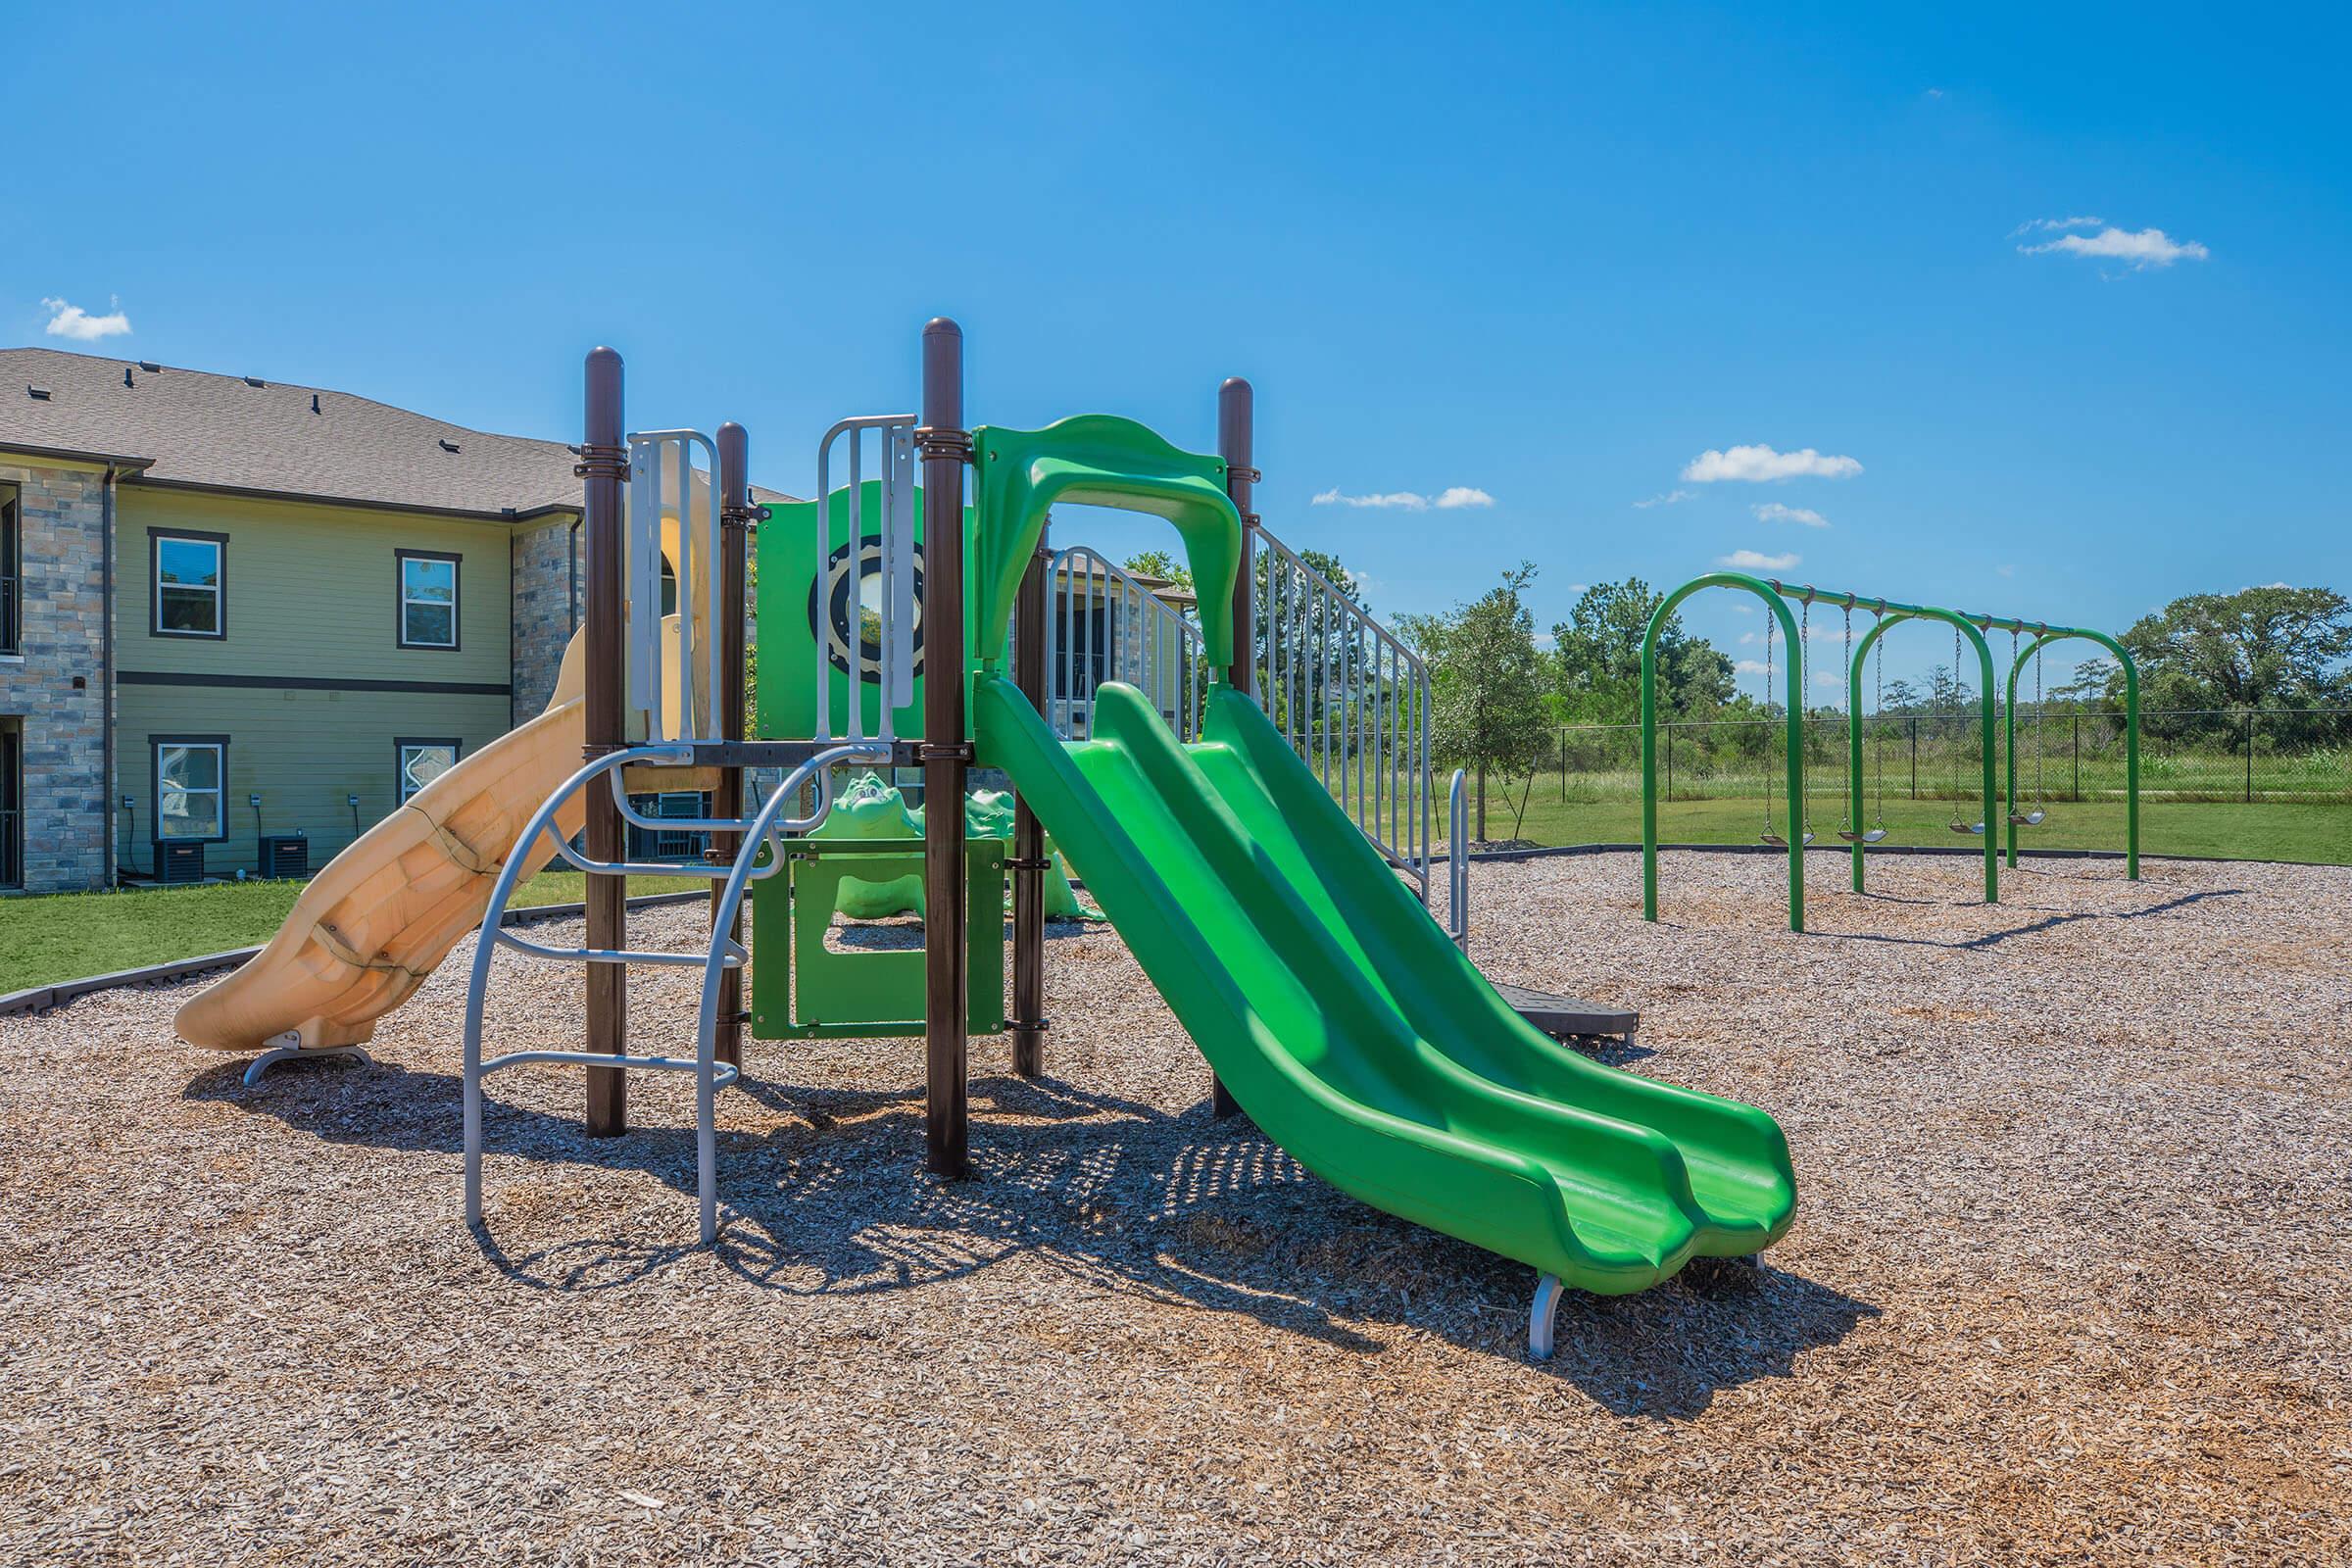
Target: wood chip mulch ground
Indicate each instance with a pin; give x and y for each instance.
(2068, 1282)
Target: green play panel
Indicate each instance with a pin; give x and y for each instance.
(825, 994)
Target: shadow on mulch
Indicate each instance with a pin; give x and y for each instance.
(1120, 1195)
(2049, 923)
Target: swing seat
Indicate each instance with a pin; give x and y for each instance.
(1773, 839)
(2027, 818)
(1966, 827)
(1867, 836)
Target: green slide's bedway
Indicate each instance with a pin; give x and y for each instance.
(1354, 1033)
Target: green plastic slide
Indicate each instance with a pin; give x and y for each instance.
(1353, 1032)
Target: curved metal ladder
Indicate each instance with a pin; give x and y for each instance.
(765, 828)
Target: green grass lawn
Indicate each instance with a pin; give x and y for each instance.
(64, 936)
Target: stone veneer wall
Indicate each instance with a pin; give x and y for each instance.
(545, 611)
(62, 513)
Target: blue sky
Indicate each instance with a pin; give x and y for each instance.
(1553, 257)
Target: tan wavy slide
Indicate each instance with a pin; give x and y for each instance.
(373, 924)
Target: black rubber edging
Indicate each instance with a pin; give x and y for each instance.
(41, 998)
(1542, 851)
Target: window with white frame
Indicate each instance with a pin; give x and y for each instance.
(422, 762)
(189, 774)
(428, 599)
(190, 584)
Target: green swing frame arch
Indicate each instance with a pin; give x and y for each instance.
(1773, 602)
(1890, 615)
(2043, 636)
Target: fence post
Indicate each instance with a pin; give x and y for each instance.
(2077, 791)
(1915, 756)
(1563, 767)
(2250, 756)
(1670, 762)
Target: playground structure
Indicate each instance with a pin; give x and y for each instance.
(1259, 861)
(1994, 715)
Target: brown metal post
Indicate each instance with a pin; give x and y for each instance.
(604, 460)
(945, 448)
(1029, 864)
(1237, 444)
(734, 501)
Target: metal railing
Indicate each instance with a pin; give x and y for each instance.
(1350, 698)
(890, 559)
(1102, 625)
(663, 483)
(1457, 860)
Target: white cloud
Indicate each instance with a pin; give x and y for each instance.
(1756, 560)
(1581, 587)
(2148, 247)
(1828, 681)
(1749, 666)
(1757, 464)
(1934, 92)
(2043, 225)
(1666, 499)
(1447, 500)
(1774, 511)
(71, 320)
(2006, 572)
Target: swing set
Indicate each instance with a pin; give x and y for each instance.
(1968, 633)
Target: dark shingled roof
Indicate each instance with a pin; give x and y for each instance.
(222, 432)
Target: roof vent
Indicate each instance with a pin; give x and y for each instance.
(447, 445)
(150, 366)
(126, 380)
(255, 381)
(38, 394)
(314, 402)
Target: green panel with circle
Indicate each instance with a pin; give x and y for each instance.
(790, 608)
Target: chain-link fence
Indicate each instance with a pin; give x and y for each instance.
(2185, 755)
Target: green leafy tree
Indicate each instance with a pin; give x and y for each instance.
(1159, 564)
(1597, 658)
(2259, 648)
(1487, 681)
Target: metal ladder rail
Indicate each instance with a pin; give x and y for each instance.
(763, 829)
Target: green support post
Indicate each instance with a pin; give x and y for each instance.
(1883, 619)
(1795, 739)
(2044, 636)
(1892, 614)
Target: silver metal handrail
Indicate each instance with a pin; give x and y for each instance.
(1457, 860)
(764, 830)
(1351, 699)
(895, 671)
(655, 456)
(1142, 640)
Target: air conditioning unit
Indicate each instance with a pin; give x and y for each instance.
(285, 855)
(178, 860)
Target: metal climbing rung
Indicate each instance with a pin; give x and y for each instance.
(764, 830)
